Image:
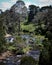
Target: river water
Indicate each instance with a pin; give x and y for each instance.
(9, 61)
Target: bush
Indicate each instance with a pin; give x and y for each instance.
(27, 60)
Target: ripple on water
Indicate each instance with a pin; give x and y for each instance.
(6, 63)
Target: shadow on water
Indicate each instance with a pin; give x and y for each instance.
(2, 63)
(6, 63)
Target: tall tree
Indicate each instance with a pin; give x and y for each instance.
(19, 11)
(2, 33)
(46, 54)
(32, 12)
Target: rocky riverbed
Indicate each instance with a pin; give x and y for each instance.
(12, 59)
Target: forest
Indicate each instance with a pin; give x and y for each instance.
(26, 35)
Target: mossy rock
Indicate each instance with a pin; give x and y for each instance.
(28, 60)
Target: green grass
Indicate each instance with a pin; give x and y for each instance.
(11, 48)
(29, 27)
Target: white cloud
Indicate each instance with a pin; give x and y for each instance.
(13, 1)
(5, 5)
(28, 3)
(44, 1)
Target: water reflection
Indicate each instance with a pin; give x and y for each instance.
(7, 63)
(2, 63)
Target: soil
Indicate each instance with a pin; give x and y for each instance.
(4, 55)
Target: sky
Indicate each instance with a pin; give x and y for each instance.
(6, 4)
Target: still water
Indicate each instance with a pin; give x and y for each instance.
(7, 63)
(2, 63)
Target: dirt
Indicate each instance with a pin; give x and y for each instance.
(5, 55)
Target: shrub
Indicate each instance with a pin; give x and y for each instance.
(27, 60)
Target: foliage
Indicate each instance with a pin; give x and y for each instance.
(29, 27)
(11, 48)
(26, 49)
(28, 60)
(32, 12)
(2, 34)
(45, 56)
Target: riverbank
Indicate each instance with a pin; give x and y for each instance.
(4, 55)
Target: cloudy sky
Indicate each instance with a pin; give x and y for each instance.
(6, 4)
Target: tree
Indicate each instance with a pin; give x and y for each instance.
(28, 60)
(46, 58)
(32, 12)
(2, 33)
(9, 23)
(19, 11)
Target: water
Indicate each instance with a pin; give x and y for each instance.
(2, 63)
(34, 54)
(11, 60)
(25, 36)
(6, 63)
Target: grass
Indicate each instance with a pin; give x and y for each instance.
(29, 27)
